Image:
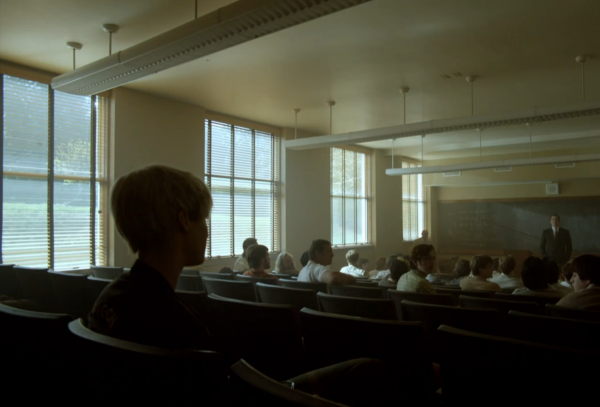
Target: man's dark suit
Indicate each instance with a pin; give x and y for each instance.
(558, 249)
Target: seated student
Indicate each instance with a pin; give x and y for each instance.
(317, 270)
(304, 258)
(422, 262)
(533, 274)
(285, 264)
(552, 274)
(379, 266)
(586, 283)
(364, 265)
(397, 269)
(481, 270)
(506, 280)
(161, 212)
(241, 264)
(352, 257)
(566, 275)
(461, 270)
(259, 261)
(388, 261)
(496, 272)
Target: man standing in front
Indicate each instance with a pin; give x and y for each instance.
(423, 240)
(556, 242)
(318, 268)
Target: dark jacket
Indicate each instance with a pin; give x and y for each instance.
(558, 249)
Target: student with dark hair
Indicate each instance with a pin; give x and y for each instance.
(241, 263)
(397, 269)
(304, 258)
(363, 264)
(566, 274)
(552, 274)
(461, 270)
(506, 280)
(586, 283)
(496, 267)
(317, 270)
(379, 267)
(422, 263)
(259, 261)
(535, 280)
(481, 270)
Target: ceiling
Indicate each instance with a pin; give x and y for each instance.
(523, 52)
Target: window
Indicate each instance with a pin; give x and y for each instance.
(242, 172)
(54, 176)
(413, 204)
(349, 197)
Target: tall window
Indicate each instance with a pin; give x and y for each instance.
(54, 176)
(413, 204)
(349, 197)
(242, 172)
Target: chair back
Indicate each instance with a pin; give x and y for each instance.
(554, 331)
(266, 335)
(70, 291)
(531, 366)
(107, 273)
(538, 299)
(9, 283)
(437, 299)
(503, 307)
(569, 313)
(189, 283)
(374, 308)
(219, 276)
(95, 286)
(146, 375)
(355, 291)
(37, 286)
(254, 280)
(332, 338)
(239, 290)
(197, 300)
(284, 276)
(457, 293)
(320, 287)
(299, 298)
(190, 272)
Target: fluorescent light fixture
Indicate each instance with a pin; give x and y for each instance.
(502, 169)
(226, 27)
(491, 164)
(564, 165)
(452, 174)
(448, 125)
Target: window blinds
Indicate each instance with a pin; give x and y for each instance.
(413, 204)
(53, 176)
(349, 197)
(242, 172)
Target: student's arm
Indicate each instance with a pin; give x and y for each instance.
(337, 278)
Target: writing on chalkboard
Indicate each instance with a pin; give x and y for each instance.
(471, 228)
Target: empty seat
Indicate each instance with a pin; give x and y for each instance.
(190, 272)
(471, 361)
(266, 335)
(321, 287)
(438, 299)
(37, 287)
(254, 280)
(70, 291)
(107, 273)
(189, 283)
(355, 291)
(457, 293)
(117, 370)
(239, 290)
(539, 299)
(375, 308)
(562, 312)
(299, 298)
(220, 276)
(9, 284)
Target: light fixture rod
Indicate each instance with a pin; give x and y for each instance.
(422, 138)
(74, 46)
(331, 103)
(110, 29)
(74, 64)
(393, 142)
(296, 111)
(583, 80)
(530, 141)
(196, 11)
(479, 131)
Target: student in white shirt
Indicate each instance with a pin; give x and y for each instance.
(552, 273)
(241, 263)
(352, 257)
(481, 270)
(317, 270)
(535, 280)
(506, 280)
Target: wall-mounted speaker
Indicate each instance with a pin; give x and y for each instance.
(551, 189)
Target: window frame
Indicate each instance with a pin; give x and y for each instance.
(416, 205)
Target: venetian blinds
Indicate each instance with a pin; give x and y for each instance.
(413, 204)
(242, 172)
(54, 176)
(349, 197)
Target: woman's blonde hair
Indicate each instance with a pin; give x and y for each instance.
(146, 204)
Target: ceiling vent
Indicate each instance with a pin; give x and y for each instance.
(551, 189)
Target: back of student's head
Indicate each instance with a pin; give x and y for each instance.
(397, 268)
(567, 271)
(552, 270)
(418, 252)
(587, 267)
(317, 246)
(248, 242)
(507, 265)
(352, 256)
(146, 204)
(362, 263)
(533, 274)
(255, 255)
(304, 258)
(479, 262)
(496, 263)
(380, 263)
(461, 268)
(389, 259)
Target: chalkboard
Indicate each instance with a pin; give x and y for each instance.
(478, 226)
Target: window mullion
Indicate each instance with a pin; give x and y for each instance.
(50, 185)
(355, 155)
(253, 185)
(1, 165)
(232, 193)
(93, 182)
(207, 158)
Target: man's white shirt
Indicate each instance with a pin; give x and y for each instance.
(312, 272)
(241, 264)
(353, 271)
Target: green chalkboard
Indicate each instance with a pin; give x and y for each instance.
(516, 224)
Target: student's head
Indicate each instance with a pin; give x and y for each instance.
(481, 265)
(507, 265)
(424, 234)
(397, 268)
(258, 257)
(363, 264)
(495, 264)
(586, 271)
(352, 257)
(321, 252)
(304, 258)
(389, 260)
(533, 274)
(555, 220)
(153, 205)
(567, 272)
(461, 269)
(552, 270)
(284, 262)
(423, 258)
(247, 243)
(380, 264)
